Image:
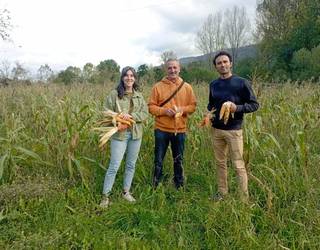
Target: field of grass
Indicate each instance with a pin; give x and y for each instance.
(52, 174)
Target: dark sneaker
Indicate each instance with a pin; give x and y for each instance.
(218, 197)
(178, 185)
(155, 183)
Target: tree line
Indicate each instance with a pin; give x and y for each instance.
(105, 72)
(286, 35)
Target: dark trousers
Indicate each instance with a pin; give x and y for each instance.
(162, 140)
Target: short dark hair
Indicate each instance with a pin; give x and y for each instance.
(222, 53)
(121, 87)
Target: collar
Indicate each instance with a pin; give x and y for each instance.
(167, 81)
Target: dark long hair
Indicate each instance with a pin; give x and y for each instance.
(121, 87)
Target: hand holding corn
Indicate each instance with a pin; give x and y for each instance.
(122, 127)
(178, 111)
(112, 123)
(125, 116)
(206, 119)
(225, 111)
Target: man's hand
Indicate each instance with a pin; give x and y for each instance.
(227, 108)
(178, 110)
(170, 112)
(205, 121)
(233, 107)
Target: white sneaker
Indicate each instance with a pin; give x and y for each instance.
(127, 196)
(105, 202)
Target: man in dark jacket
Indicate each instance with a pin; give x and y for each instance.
(237, 97)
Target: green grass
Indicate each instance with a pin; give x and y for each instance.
(52, 174)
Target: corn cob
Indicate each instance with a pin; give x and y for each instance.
(106, 136)
(118, 119)
(105, 122)
(206, 120)
(115, 117)
(225, 112)
(178, 112)
(109, 125)
(222, 110)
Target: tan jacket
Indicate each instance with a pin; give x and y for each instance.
(184, 99)
(139, 112)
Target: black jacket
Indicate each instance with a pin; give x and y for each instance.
(237, 90)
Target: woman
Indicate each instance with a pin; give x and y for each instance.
(128, 101)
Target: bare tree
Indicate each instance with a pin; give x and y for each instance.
(5, 24)
(5, 69)
(45, 73)
(19, 72)
(166, 55)
(210, 37)
(5, 72)
(237, 26)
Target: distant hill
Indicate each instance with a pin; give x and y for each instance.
(244, 52)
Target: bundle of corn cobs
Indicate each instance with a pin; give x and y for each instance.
(110, 124)
(225, 112)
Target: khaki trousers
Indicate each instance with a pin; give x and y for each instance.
(232, 141)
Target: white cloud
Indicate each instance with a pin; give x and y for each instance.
(74, 32)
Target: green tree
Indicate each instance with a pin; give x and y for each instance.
(315, 52)
(306, 64)
(69, 75)
(108, 70)
(285, 27)
(148, 75)
(306, 25)
(197, 72)
(301, 63)
(142, 70)
(158, 73)
(246, 67)
(89, 73)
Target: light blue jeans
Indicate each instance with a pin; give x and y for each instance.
(118, 148)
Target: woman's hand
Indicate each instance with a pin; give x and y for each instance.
(122, 127)
(125, 116)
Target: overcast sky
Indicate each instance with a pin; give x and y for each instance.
(132, 32)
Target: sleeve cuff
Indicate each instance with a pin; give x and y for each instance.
(239, 108)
